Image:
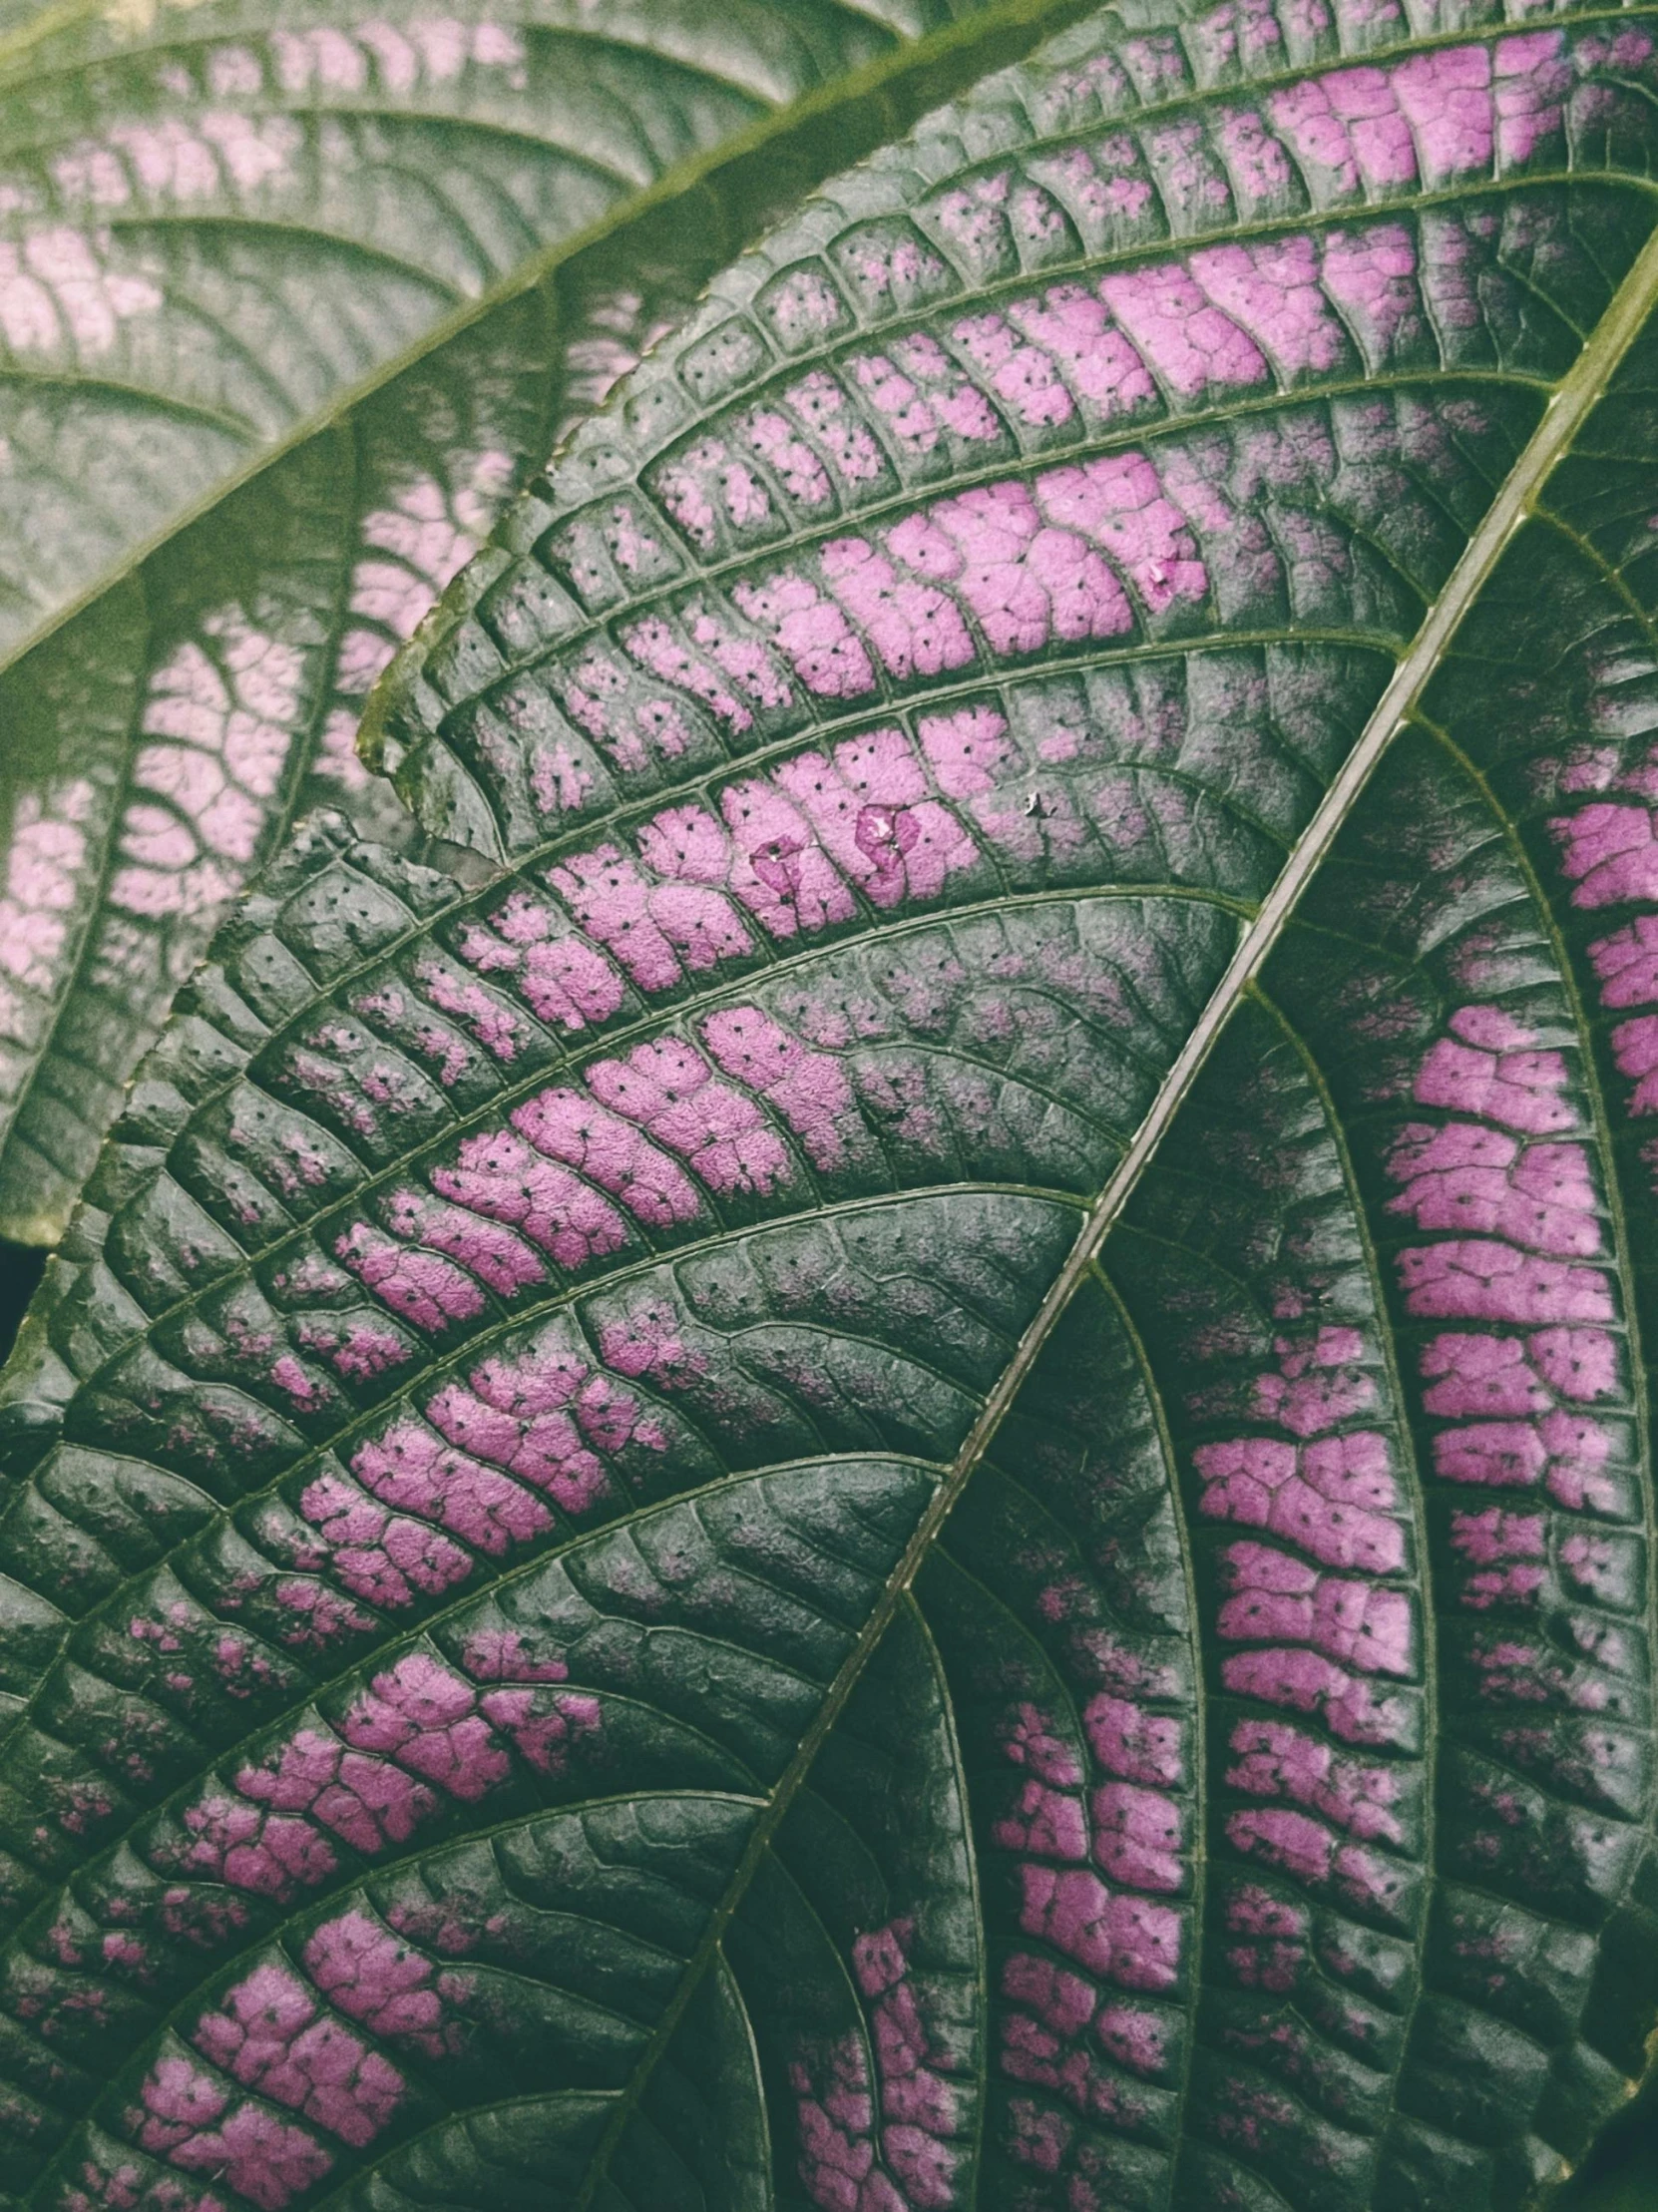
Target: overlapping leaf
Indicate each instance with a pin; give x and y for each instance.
(288, 308)
(916, 1475)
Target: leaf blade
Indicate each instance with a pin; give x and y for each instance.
(888, 1305)
(469, 313)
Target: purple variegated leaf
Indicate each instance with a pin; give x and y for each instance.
(903, 1465)
(291, 300)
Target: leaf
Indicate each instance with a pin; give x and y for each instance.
(915, 1475)
(292, 300)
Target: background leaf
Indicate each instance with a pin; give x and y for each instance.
(289, 307)
(877, 1486)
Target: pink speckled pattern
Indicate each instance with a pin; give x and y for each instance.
(1098, 1847)
(1516, 1268)
(1320, 1633)
(887, 2145)
(419, 1734)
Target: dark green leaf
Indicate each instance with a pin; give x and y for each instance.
(915, 1475)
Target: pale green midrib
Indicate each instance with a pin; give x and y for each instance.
(849, 91)
(402, 1636)
(1571, 404)
(570, 1306)
(1629, 310)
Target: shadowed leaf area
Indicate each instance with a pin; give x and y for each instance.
(291, 300)
(909, 1472)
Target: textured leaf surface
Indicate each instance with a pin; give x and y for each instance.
(288, 307)
(916, 1475)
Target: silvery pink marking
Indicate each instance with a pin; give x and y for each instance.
(409, 1468)
(1275, 1760)
(373, 1976)
(793, 845)
(1118, 502)
(498, 1175)
(1279, 1599)
(821, 407)
(977, 766)
(436, 50)
(668, 1090)
(1131, 1830)
(317, 1615)
(170, 159)
(661, 653)
(1255, 160)
(1509, 1187)
(710, 488)
(1071, 327)
(219, 720)
(47, 851)
(1434, 117)
(501, 1032)
(1023, 579)
(1273, 292)
(270, 2037)
(1180, 332)
(630, 726)
(183, 2116)
(656, 931)
(915, 629)
(611, 1152)
(1274, 1949)
(791, 460)
(920, 393)
(418, 1728)
(380, 1557)
(808, 1089)
(357, 1348)
(649, 1341)
(840, 2128)
(57, 293)
(1026, 378)
(835, 2118)
(491, 1253)
(429, 1292)
(1505, 1548)
(1371, 275)
(811, 633)
(1115, 1935)
(1330, 1495)
(1028, 561)
(565, 982)
(1609, 851)
(549, 1419)
(412, 549)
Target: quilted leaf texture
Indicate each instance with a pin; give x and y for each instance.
(291, 298)
(909, 1472)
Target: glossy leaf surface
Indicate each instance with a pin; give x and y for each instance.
(290, 301)
(916, 1475)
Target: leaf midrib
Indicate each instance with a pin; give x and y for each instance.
(1579, 390)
